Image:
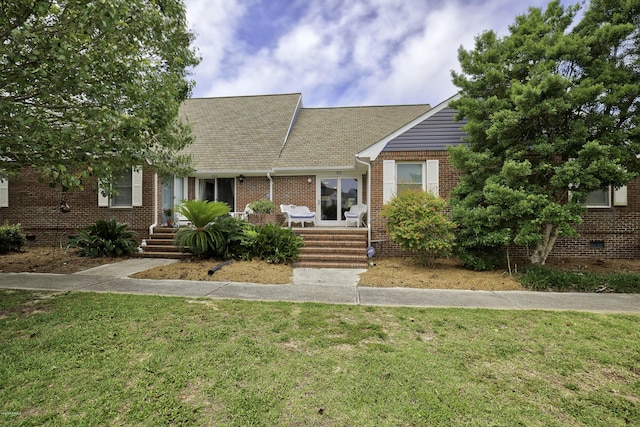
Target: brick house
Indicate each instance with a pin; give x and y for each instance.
(328, 159)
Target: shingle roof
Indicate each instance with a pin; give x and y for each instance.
(243, 133)
(247, 133)
(330, 137)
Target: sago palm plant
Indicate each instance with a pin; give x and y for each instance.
(201, 239)
(105, 238)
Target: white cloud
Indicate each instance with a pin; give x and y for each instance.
(344, 52)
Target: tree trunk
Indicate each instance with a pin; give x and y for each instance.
(542, 251)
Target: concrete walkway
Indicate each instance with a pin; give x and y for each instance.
(334, 286)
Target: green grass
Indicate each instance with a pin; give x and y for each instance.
(102, 359)
(542, 278)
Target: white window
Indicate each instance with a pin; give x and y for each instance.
(599, 198)
(128, 191)
(602, 198)
(4, 193)
(399, 176)
(409, 176)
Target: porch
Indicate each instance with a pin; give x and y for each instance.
(324, 247)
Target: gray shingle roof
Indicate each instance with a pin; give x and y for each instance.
(330, 137)
(243, 133)
(246, 133)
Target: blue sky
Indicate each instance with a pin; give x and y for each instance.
(340, 52)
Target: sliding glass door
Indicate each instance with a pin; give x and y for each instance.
(336, 195)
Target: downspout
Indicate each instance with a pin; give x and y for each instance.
(155, 204)
(270, 186)
(368, 165)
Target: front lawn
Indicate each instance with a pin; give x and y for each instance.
(104, 359)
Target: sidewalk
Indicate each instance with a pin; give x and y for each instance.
(314, 285)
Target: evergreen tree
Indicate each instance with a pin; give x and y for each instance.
(552, 115)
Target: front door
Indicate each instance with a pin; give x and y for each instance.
(336, 195)
(172, 194)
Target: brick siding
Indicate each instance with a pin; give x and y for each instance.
(448, 179)
(36, 207)
(607, 233)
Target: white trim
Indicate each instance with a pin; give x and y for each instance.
(4, 193)
(373, 151)
(291, 123)
(339, 221)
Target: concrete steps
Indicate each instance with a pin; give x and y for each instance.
(333, 248)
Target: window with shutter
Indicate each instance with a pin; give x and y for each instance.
(128, 191)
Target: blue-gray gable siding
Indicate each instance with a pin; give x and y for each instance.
(434, 133)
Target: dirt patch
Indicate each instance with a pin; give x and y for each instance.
(237, 271)
(39, 259)
(446, 274)
(391, 272)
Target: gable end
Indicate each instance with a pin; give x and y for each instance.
(434, 133)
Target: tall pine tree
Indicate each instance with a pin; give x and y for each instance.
(552, 116)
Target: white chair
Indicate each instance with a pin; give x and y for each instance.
(356, 214)
(244, 214)
(301, 214)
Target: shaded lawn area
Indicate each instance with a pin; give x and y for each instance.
(96, 359)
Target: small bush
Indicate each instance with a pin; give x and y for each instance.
(11, 238)
(276, 244)
(541, 278)
(263, 206)
(416, 222)
(105, 238)
(236, 238)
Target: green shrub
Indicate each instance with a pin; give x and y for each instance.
(541, 278)
(416, 222)
(480, 258)
(276, 244)
(202, 240)
(11, 238)
(264, 206)
(237, 238)
(105, 238)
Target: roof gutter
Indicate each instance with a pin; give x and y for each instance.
(155, 204)
(270, 186)
(368, 165)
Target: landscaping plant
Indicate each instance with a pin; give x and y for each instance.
(237, 238)
(276, 244)
(92, 89)
(11, 238)
(105, 238)
(201, 237)
(551, 113)
(263, 206)
(416, 221)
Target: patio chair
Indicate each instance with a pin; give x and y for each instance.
(244, 214)
(301, 214)
(356, 214)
